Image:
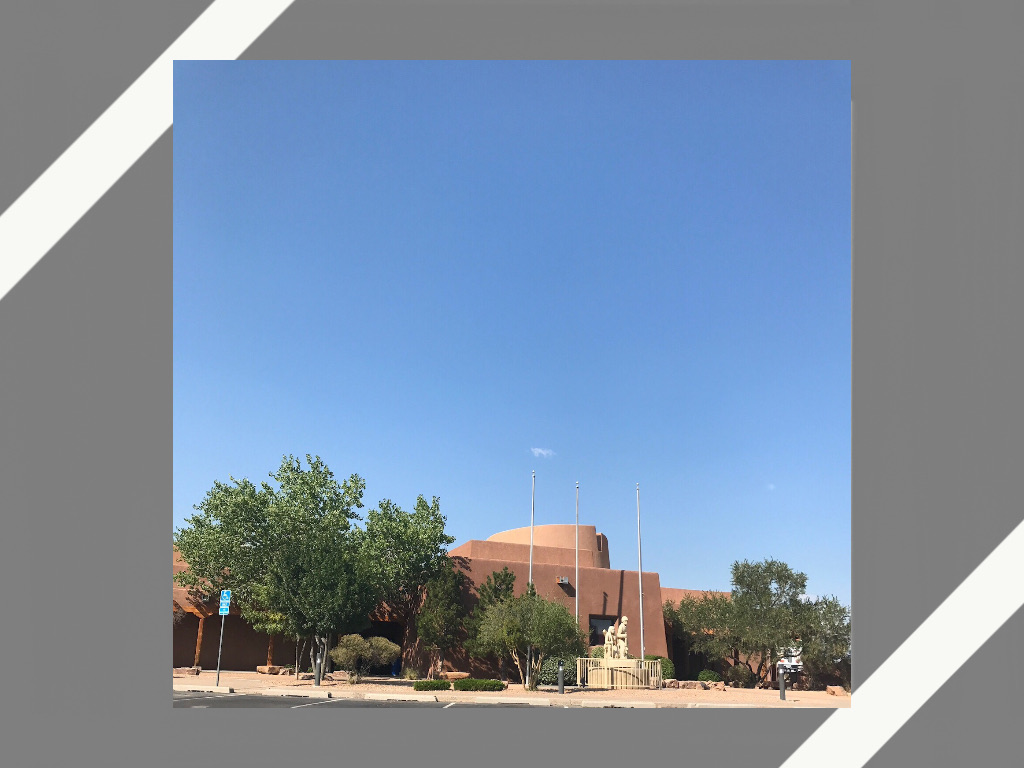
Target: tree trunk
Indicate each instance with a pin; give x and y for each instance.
(298, 655)
(199, 640)
(270, 651)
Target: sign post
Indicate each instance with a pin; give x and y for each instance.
(225, 604)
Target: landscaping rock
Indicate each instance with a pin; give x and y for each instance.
(719, 686)
(285, 671)
(671, 683)
(268, 670)
(835, 690)
(693, 684)
(454, 675)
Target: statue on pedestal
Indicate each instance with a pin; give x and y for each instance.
(621, 648)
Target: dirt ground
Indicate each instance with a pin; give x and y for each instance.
(666, 697)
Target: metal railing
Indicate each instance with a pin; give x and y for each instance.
(618, 673)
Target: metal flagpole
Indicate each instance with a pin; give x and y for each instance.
(529, 653)
(576, 584)
(533, 491)
(640, 570)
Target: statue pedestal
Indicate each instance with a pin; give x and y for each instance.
(616, 673)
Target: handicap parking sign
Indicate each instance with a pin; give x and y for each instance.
(225, 601)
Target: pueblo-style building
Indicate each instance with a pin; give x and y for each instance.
(604, 595)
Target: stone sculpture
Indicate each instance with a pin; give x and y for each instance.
(609, 643)
(621, 648)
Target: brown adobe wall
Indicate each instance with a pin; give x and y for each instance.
(562, 537)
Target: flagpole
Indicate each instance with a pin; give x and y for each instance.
(529, 652)
(533, 491)
(576, 584)
(640, 570)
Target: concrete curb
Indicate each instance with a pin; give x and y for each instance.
(509, 700)
(204, 688)
(399, 697)
(618, 704)
(306, 693)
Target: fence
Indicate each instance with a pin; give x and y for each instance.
(618, 673)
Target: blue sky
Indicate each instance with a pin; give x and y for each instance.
(445, 275)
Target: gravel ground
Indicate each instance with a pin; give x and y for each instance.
(666, 697)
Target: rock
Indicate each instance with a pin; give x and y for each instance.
(671, 683)
(284, 671)
(454, 675)
(187, 671)
(835, 690)
(692, 684)
(719, 686)
(305, 676)
(268, 670)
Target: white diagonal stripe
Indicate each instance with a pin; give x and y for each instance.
(984, 601)
(45, 211)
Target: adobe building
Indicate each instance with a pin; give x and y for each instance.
(604, 594)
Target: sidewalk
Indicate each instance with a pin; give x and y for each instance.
(397, 689)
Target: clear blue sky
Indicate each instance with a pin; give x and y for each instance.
(428, 272)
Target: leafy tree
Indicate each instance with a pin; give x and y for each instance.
(439, 623)
(826, 642)
(405, 550)
(767, 611)
(706, 621)
(498, 586)
(529, 628)
(290, 554)
(764, 614)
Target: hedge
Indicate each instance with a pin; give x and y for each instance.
(668, 669)
(710, 676)
(476, 684)
(431, 685)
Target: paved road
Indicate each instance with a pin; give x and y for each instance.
(192, 700)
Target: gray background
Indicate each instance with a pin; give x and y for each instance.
(86, 364)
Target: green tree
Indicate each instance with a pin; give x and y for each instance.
(290, 554)
(405, 550)
(439, 623)
(529, 628)
(764, 614)
(498, 586)
(826, 642)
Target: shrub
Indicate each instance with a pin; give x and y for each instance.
(410, 673)
(357, 655)
(431, 685)
(597, 653)
(709, 676)
(668, 669)
(475, 684)
(548, 674)
(741, 675)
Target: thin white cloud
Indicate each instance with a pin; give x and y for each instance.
(547, 453)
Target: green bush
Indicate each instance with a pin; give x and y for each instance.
(358, 655)
(709, 676)
(668, 669)
(410, 673)
(475, 684)
(431, 685)
(548, 674)
(597, 653)
(739, 674)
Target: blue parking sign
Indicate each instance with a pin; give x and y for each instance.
(225, 601)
